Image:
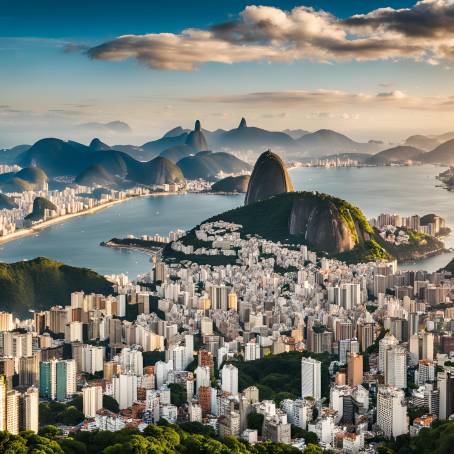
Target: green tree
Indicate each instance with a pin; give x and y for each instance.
(255, 421)
(312, 449)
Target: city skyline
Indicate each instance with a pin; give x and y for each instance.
(69, 70)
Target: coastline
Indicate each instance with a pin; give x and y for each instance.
(60, 219)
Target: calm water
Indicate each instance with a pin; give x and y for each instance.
(405, 190)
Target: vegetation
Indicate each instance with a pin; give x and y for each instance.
(61, 413)
(157, 439)
(40, 205)
(42, 283)
(270, 219)
(419, 246)
(438, 439)
(278, 377)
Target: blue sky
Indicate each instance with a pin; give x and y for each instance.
(49, 92)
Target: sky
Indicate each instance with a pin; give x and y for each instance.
(128, 71)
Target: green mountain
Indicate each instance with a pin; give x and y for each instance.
(59, 158)
(269, 177)
(7, 203)
(209, 165)
(41, 283)
(232, 184)
(396, 155)
(96, 175)
(324, 223)
(40, 205)
(27, 179)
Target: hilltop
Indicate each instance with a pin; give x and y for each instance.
(325, 224)
(209, 165)
(232, 184)
(26, 179)
(397, 154)
(40, 205)
(7, 203)
(41, 283)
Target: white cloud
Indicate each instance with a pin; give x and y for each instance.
(263, 33)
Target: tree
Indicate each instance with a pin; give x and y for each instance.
(255, 421)
(312, 449)
(109, 403)
(178, 394)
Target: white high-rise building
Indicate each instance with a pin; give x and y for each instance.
(17, 344)
(203, 377)
(195, 412)
(311, 378)
(229, 378)
(388, 341)
(12, 411)
(428, 346)
(131, 361)
(92, 400)
(29, 412)
(73, 332)
(161, 371)
(251, 351)
(189, 348)
(179, 357)
(396, 366)
(92, 359)
(125, 389)
(392, 411)
(6, 321)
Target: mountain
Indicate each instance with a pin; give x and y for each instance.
(361, 157)
(59, 158)
(247, 137)
(7, 203)
(400, 153)
(428, 143)
(422, 142)
(27, 179)
(41, 283)
(232, 184)
(96, 175)
(156, 172)
(324, 223)
(209, 165)
(155, 147)
(40, 205)
(443, 154)
(326, 142)
(175, 132)
(269, 177)
(196, 139)
(97, 145)
(112, 126)
(177, 153)
(9, 155)
(295, 133)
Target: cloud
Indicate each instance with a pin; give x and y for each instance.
(330, 99)
(263, 33)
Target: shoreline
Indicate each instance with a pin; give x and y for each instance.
(60, 219)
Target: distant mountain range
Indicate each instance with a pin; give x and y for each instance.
(397, 154)
(428, 143)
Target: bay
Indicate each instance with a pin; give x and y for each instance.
(403, 190)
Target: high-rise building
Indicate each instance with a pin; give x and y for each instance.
(12, 411)
(92, 358)
(92, 400)
(29, 410)
(385, 343)
(3, 394)
(396, 366)
(366, 335)
(311, 378)
(6, 321)
(355, 369)
(445, 381)
(229, 379)
(17, 344)
(125, 389)
(57, 379)
(392, 411)
(428, 346)
(131, 361)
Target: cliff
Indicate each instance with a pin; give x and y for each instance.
(269, 177)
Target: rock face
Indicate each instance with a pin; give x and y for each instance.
(326, 224)
(40, 205)
(196, 140)
(269, 177)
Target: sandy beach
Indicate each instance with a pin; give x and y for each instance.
(45, 224)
